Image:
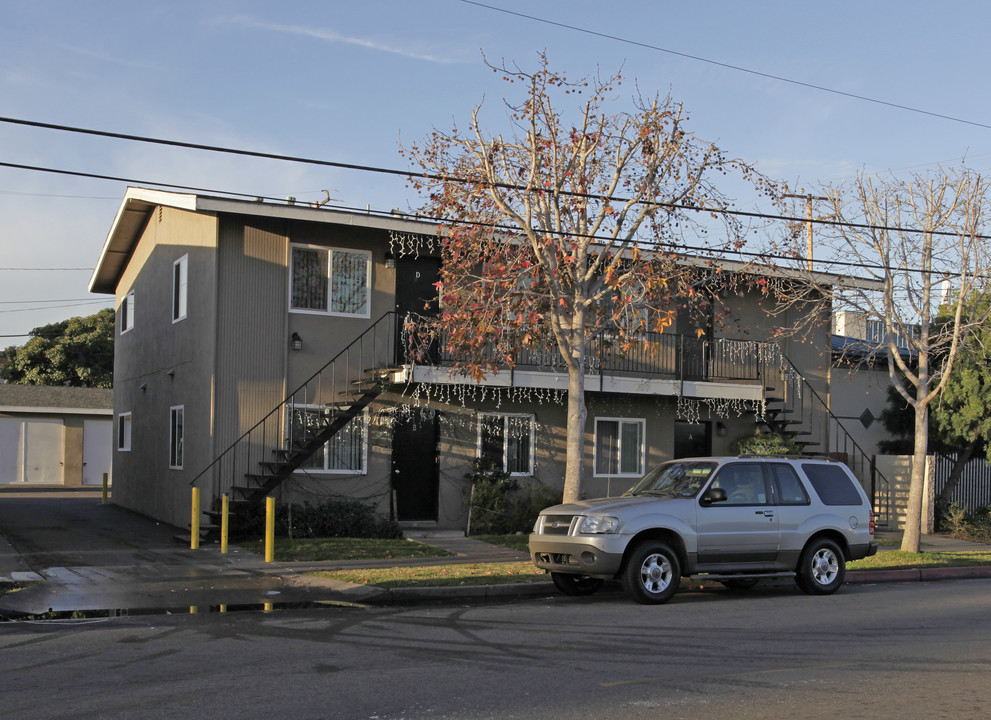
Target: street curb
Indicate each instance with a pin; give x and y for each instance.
(412, 595)
(918, 574)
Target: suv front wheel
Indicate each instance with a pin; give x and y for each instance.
(821, 568)
(652, 573)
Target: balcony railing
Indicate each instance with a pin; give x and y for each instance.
(681, 357)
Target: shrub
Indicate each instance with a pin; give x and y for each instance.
(765, 443)
(334, 518)
(497, 505)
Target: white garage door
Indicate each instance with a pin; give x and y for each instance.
(31, 450)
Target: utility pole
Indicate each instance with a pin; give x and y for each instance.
(808, 214)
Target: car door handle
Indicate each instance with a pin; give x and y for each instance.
(765, 513)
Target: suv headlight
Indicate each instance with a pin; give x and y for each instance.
(593, 525)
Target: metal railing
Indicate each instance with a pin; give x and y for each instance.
(326, 393)
(665, 355)
(804, 415)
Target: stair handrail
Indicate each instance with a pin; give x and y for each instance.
(875, 473)
(289, 398)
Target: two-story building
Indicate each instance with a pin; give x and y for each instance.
(260, 350)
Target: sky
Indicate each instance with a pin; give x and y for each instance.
(350, 81)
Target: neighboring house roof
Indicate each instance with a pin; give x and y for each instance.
(56, 399)
(856, 349)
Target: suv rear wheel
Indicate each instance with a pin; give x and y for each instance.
(652, 573)
(821, 568)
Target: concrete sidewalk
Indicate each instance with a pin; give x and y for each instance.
(86, 556)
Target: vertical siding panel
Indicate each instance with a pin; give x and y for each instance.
(252, 317)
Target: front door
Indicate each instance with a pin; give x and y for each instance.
(415, 472)
(98, 438)
(692, 439)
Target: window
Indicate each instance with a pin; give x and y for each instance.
(790, 487)
(506, 442)
(345, 452)
(832, 485)
(124, 431)
(743, 483)
(328, 280)
(179, 270)
(619, 447)
(175, 437)
(127, 313)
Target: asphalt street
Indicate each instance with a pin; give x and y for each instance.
(894, 650)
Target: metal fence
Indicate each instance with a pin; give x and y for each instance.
(973, 490)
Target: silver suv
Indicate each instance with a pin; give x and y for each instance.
(735, 520)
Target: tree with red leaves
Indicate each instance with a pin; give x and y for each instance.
(566, 229)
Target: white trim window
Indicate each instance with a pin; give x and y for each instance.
(180, 280)
(346, 453)
(330, 281)
(176, 418)
(124, 432)
(506, 441)
(619, 447)
(127, 313)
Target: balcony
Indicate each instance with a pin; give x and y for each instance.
(661, 364)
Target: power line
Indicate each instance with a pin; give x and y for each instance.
(440, 178)
(510, 229)
(728, 66)
(45, 269)
(55, 307)
(25, 302)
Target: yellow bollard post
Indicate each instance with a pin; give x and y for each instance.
(194, 524)
(106, 484)
(270, 529)
(225, 509)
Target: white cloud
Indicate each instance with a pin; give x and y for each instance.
(335, 37)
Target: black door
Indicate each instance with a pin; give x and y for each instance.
(692, 439)
(415, 476)
(694, 324)
(416, 295)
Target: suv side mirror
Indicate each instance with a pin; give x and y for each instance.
(713, 495)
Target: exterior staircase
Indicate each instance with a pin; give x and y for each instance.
(300, 426)
(795, 409)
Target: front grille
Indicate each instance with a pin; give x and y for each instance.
(556, 524)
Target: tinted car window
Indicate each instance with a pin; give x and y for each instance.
(790, 489)
(832, 485)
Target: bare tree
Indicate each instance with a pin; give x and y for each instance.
(918, 242)
(567, 228)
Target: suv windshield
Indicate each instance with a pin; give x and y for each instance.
(674, 479)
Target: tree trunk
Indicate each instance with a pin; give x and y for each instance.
(913, 513)
(575, 464)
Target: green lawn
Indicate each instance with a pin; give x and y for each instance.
(901, 560)
(314, 550)
(318, 549)
(440, 575)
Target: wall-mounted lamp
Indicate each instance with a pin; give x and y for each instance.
(297, 341)
(390, 261)
(721, 429)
